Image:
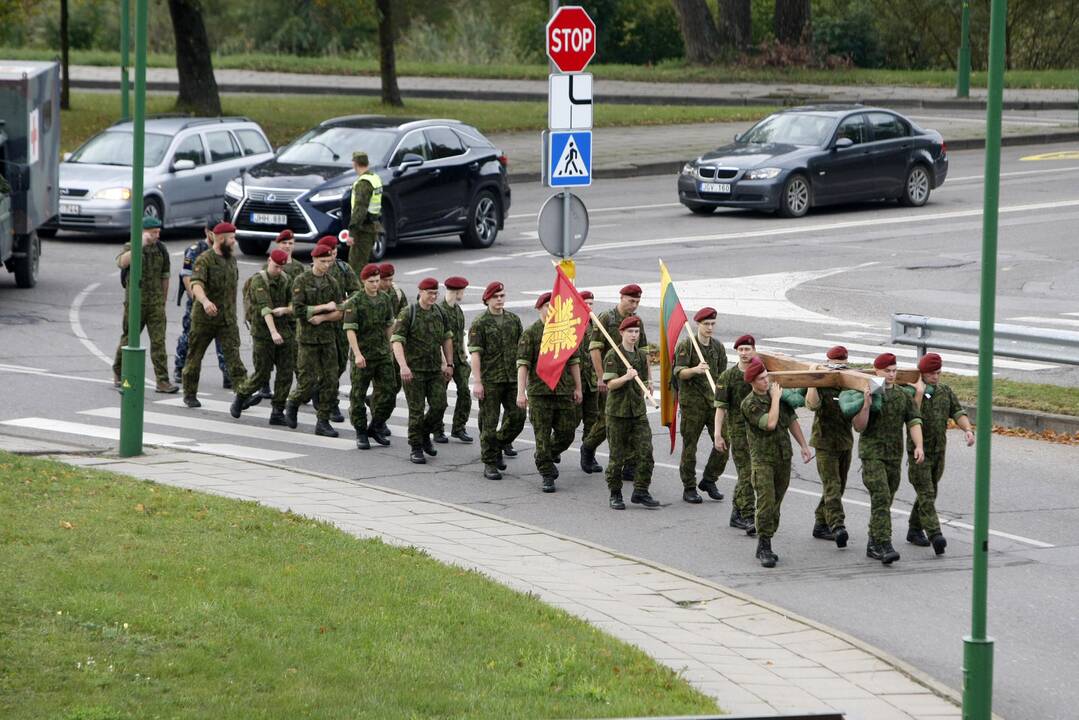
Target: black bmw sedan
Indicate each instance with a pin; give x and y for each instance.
(820, 155)
(440, 177)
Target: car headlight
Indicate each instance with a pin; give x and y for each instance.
(234, 189)
(117, 193)
(687, 169)
(763, 174)
(330, 194)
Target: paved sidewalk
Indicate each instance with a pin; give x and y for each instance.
(751, 656)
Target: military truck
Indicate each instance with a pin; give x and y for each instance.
(29, 162)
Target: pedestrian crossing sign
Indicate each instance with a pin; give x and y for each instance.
(569, 159)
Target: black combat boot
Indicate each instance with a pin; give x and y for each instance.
(265, 393)
(428, 447)
(616, 501)
(642, 497)
(588, 460)
(548, 483)
(710, 487)
(841, 536)
(362, 443)
(917, 537)
(508, 451)
(461, 435)
(440, 438)
(491, 472)
(416, 455)
(323, 428)
(737, 521)
(554, 473)
(375, 433)
(500, 463)
(822, 532)
(192, 401)
(335, 413)
(253, 401)
(764, 553)
(291, 409)
(690, 496)
(751, 527)
(938, 542)
(277, 417)
(237, 407)
(888, 553)
(226, 382)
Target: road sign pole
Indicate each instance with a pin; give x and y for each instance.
(125, 60)
(963, 80)
(133, 373)
(978, 647)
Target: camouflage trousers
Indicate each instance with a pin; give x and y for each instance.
(316, 377)
(341, 342)
(770, 483)
(554, 423)
(266, 356)
(499, 398)
(588, 412)
(926, 479)
(881, 479)
(204, 332)
(694, 422)
(743, 500)
(462, 406)
(359, 254)
(832, 466)
(153, 321)
(182, 343)
(425, 390)
(383, 397)
(630, 444)
(595, 435)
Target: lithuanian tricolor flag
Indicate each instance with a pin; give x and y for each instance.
(672, 318)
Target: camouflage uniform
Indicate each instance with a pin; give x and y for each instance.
(495, 338)
(455, 316)
(588, 412)
(370, 318)
(697, 402)
(293, 269)
(316, 345)
(422, 333)
(939, 404)
(834, 441)
(349, 283)
(155, 268)
(268, 292)
(770, 453)
(881, 451)
(731, 390)
(611, 319)
(188, 267)
(362, 228)
(553, 415)
(398, 302)
(218, 277)
(628, 433)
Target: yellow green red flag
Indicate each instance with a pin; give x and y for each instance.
(672, 318)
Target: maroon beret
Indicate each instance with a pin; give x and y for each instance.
(428, 283)
(386, 270)
(328, 240)
(930, 362)
(224, 227)
(492, 289)
(320, 250)
(630, 322)
(279, 256)
(705, 313)
(753, 370)
(543, 300)
(745, 340)
(631, 290)
(586, 295)
(456, 283)
(368, 270)
(837, 353)
(884, 360)
(285, 234)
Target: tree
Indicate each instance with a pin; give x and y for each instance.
(198, 87)
(737, 19)
(792, 21)
(704, 44)
(387, 61)
(65, 81)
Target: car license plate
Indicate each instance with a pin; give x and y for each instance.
(269, 219)
(70, 209)
(716, 187)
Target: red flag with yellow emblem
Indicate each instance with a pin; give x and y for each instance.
(566, 324)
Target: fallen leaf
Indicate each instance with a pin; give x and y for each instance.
(66, 525)
(140, 508)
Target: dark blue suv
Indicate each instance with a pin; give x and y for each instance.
(440, 177)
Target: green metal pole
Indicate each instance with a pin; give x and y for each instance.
(963, 81)
(978, 647)
(133, 373)
(125, 60)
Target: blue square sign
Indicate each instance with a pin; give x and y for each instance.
(569, 158)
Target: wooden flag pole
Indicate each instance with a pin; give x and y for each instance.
(700, 355)
(618, 351)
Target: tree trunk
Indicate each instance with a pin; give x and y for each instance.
(738, 21)
(704, 44)
(792, 22)
(387, 60)
(198, 87)
(65, 82)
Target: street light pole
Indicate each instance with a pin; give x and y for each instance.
(962, 88)
(125, 59)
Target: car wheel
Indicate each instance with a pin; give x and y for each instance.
(484, 217)
(151, 207)
(253, 246)
(917, 187)
(26, 267)
(701, 209)
(796, 197)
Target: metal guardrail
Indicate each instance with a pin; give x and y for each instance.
(1013, 341)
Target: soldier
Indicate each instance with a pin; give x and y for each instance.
(366, 212)
(368, 321)
(213, 285)
(348, 283)
(286, 243)
(552, 412)
(314, 303)
(184, 290)
(768, 420)
(628, 301)
(492, 342)
(589, 410)
(154, 287)
(936, 403)
(628, 431)
(697, 402)
(398, 302)
(881, 452)
(834, 442)
(731, 390)
(451, 308)
(272, 337)
(423, 345)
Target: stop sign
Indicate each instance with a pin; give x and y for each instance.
(571, 39)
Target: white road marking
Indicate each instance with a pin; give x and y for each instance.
(76, 324)
(23, 369)
(1014, 173)
(910, 353)
(421, 270)
(52, 376)
(490, 258)
(593, 211)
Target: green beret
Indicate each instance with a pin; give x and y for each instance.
(150, 223)
(360, 157)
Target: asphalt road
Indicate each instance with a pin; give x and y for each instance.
(799, 286)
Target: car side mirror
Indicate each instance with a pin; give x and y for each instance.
(410, 160)
(843, 143)
(738, 137)
(66, 156)
(183, 164)
(278, 149)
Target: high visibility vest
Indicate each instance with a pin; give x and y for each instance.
(374, 205)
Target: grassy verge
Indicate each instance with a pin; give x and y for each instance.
(1025, 396)
(666, 72)
(124, 599)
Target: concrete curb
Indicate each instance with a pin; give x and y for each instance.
(1032, 420)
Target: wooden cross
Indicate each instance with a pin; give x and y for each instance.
(793, 373)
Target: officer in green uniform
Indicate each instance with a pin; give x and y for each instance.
(364, 220)
(423, 345)
(589, 411)
(368, 321)
(598, 347)
(697, 402)
(213, 316)
(492, 343)
(272, 337)
(834, 442)
(314, 303)
(154, 287)
(628, 433)
(451, 308)
(552, 412)
(937, 403)
(768, 420)
(349, 283)
(731, 390)
(881, 452)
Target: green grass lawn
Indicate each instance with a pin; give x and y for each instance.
(124, 599)
(1025, 396)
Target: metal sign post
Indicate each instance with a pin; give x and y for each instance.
(125, 59)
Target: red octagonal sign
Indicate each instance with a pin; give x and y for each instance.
(571, 39)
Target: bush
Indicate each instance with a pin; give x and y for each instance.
(851, 34)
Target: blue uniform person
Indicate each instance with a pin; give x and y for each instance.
(184, 292)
